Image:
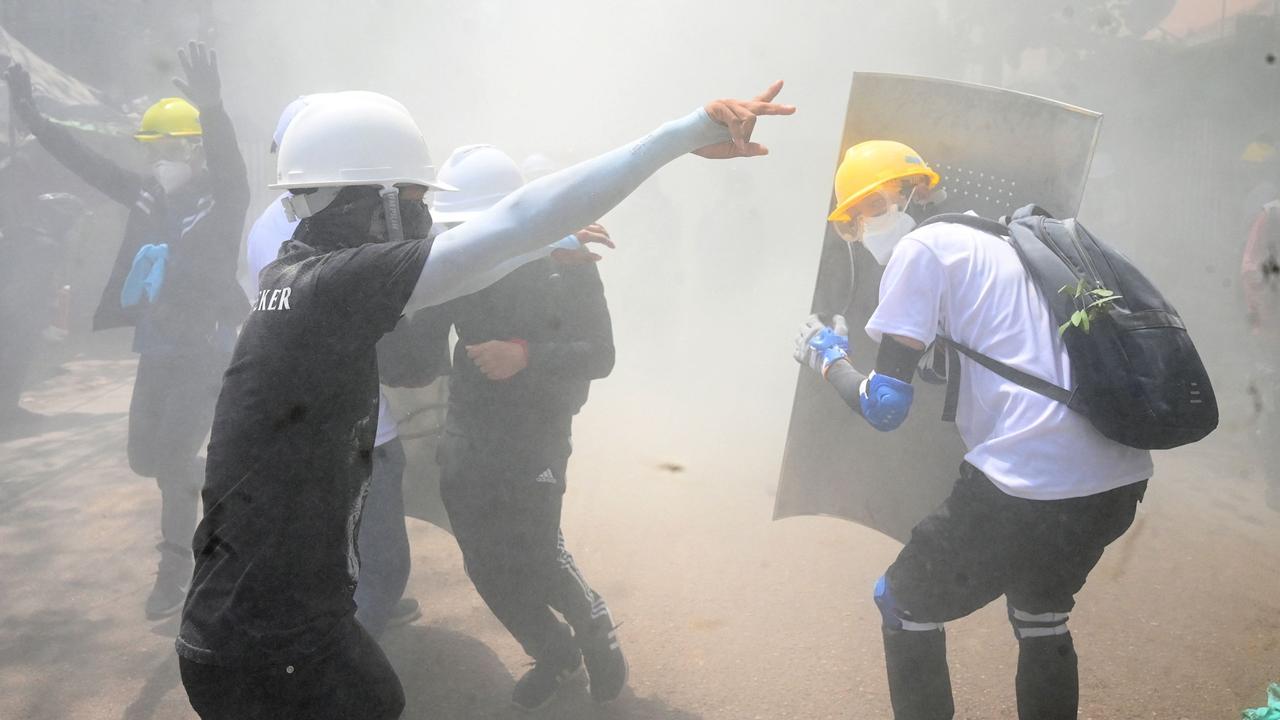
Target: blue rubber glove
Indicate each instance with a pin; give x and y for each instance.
(146, 276)
(885, 401)
(818, 346)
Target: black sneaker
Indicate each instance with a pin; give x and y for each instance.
(405, 612)
(606, 666)
(166, 598)
(538, 686)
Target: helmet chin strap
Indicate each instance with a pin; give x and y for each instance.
(391, 212)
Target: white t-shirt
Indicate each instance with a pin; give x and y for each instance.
(972, 287)
(268, 233)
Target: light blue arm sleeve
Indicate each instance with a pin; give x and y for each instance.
(521, 227)
(485, 278)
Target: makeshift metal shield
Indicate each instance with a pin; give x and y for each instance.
(420, 414)
(996, 150)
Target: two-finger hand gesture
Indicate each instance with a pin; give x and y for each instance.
(740, 117)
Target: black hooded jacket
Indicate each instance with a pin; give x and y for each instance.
(562, 315)
(202, 223)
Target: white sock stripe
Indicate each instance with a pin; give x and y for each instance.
(1039, 617)
(567, 564)
(1036, 632)
(919, 627)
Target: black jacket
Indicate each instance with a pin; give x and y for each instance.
(560, 311)
(202, 224)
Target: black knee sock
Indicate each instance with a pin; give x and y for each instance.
(1048, 682)
(919, 682)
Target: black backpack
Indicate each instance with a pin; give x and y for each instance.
(1138, 376)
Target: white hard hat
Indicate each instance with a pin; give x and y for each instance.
(286, 117)
(483, 175)
(353, 138)
(537, 165)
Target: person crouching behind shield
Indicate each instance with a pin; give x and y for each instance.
(1041, 493)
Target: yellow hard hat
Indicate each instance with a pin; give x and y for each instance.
(870, 164)
(171, 117)
(1258, 151)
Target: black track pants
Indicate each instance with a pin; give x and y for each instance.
(506, 518)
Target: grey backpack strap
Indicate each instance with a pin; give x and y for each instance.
(973, 221)
(952, 400)
(1012, 374)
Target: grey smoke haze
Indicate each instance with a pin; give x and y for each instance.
(714, 271)
(716, 263)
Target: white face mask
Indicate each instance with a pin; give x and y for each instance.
(881, 234)
(171, 174)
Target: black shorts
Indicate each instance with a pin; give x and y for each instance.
(347, 678)
(983, 543)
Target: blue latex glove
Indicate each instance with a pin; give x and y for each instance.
(818, 346)
(146, 276)
(885, 401)
(1271, 711)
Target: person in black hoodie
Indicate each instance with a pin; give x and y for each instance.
(173, 280)
(528, 348)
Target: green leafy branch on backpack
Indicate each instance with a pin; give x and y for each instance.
(1090, 302)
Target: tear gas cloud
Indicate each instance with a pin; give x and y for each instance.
(715, 268)
(716, 263)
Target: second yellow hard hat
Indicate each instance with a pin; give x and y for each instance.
(171, 117)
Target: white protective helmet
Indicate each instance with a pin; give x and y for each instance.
(286, 118)
(483, 175)
(536, 166)
(351, 138)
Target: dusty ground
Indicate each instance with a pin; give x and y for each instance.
(727, 614)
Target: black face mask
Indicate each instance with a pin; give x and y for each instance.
(354, 218)
(415, 218)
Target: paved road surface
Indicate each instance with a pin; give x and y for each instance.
(727, 614)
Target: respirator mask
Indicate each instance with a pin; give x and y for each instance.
(879, 225)
(172, 162)
(171, 174)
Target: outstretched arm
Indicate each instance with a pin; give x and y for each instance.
(106, 176)
(551, 207)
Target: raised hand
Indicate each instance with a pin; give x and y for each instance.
(200, 66)
(740, 117)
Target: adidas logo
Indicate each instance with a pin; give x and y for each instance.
(546, 477)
